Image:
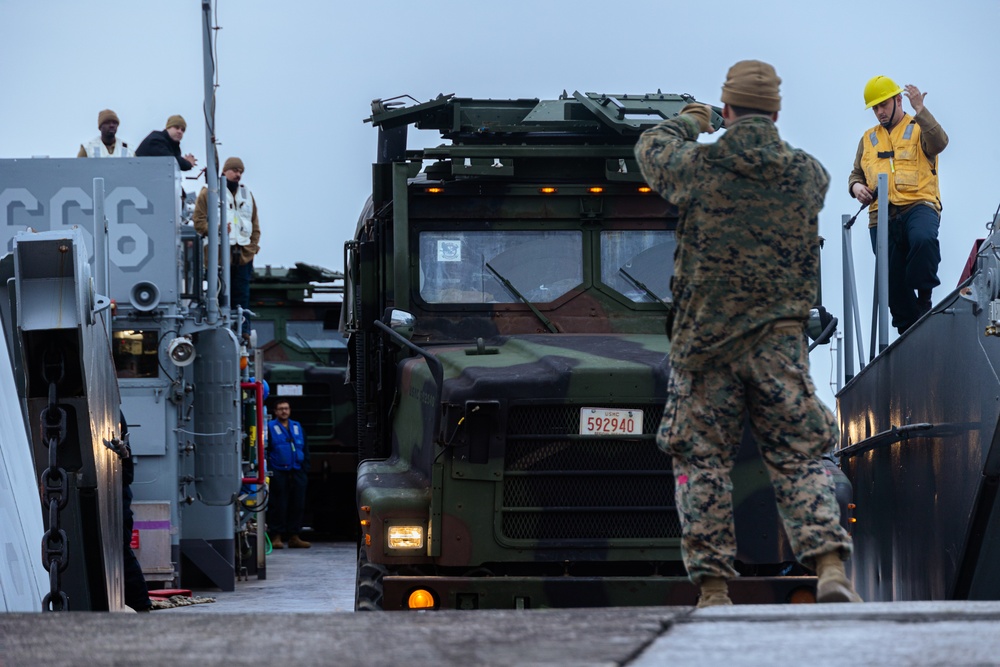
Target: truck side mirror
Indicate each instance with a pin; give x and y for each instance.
(400, 321)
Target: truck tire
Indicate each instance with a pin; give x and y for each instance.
(368, 587)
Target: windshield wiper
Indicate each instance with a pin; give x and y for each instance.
(641, 285)
(310, 348)
(513, 290)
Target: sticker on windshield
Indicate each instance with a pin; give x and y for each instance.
(449, 250)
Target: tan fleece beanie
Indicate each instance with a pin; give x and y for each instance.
(752, 84)
(105, 116)
(177, 120)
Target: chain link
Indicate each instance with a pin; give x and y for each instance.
(55, 486)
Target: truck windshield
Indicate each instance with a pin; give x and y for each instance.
(541, 265)
(638, 263)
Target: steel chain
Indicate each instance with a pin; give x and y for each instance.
(55, 488)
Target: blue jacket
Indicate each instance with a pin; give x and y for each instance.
(286, 446)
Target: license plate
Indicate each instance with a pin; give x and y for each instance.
(601, 421)
(289, 390)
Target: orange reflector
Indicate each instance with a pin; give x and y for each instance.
(243, 363)
(420, 599)
(644, 189)
(434, 191)
(851, 506)
(548, 190)
(853, 520)
(595, 190)
(366, 508)
(802, 596)
(368, 540)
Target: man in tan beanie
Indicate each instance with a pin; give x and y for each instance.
(167, 142)
(243, 228)
(745, 278)
(107, 144)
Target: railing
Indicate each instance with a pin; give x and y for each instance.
(880, 305)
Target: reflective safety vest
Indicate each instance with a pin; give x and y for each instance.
(240, 215)
(286, 446)
(96, 148)
(912, 175)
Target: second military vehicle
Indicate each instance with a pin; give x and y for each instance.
(296, 320)
(506, 299)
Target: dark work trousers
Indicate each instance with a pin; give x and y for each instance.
(914, 255)
(286, 501)
(239, 287)
(136, 593)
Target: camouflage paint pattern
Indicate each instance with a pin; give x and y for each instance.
(746, 271)
(702, 421)
(748, 244)
(296, 319)
(519, 508)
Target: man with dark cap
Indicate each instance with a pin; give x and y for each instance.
(745, 278)
(167, 143)
(905, 148)
(243, 228)
(107, 144)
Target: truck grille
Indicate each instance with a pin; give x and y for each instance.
(561, 486)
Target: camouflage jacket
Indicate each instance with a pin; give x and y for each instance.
(747, 238)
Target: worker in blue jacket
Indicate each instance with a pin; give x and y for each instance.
(287, 462)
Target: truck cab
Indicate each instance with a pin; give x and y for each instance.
(506, 297)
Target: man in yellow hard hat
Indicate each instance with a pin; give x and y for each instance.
(905, 148)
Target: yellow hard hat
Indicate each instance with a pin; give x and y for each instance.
(879, 89)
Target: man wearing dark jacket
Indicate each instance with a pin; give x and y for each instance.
(168, 143)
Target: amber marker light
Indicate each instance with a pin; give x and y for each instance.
(420, 599)
(595, 190)
(434, 191)
(365, 522)
(548, 190)
(644, 189)
(802, 596)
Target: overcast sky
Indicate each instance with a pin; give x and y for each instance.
(297, 78)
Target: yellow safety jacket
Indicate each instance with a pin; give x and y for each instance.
(912, 175)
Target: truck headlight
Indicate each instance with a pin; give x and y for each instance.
(406, 537)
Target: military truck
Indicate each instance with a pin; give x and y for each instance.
(506, 299)
(297, 317)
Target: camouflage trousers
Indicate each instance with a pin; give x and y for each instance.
(702, 427)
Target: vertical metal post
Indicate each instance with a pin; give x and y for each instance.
(883, 262)
(262, 489)
(211, 169)
(848, 300)
(840, 358)
(101, 246)
(225, 257)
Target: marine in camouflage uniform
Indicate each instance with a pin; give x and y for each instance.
(746, 276)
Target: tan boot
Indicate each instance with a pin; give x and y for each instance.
(714, 593)
(298, 543)
(276, 542)
(834, 586)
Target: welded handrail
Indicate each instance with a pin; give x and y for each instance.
(880, 303)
